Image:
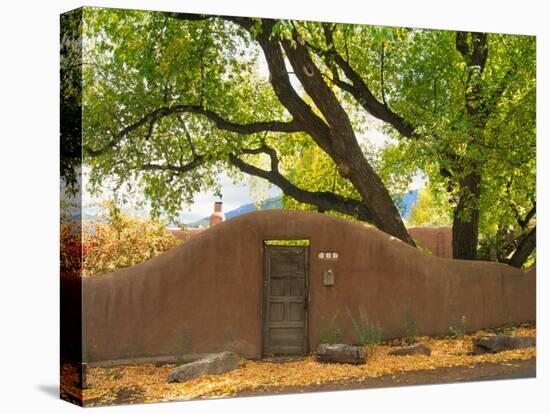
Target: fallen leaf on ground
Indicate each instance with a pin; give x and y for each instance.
(147, 383)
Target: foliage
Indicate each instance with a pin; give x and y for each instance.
(368, 334)
(148, 382)
(169, 103)
(430, 210)
(71, 247)
(421, 248)
(458, 327)
(329, 332)
(120, 241)
(65, 209)
(531, 260)
(145, 60)
(286, 242)
(309, 167)
(423, 78)
(70, 62)
(410, 329)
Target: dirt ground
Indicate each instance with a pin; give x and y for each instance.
(485, 371)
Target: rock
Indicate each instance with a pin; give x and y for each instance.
(499, 343)
(209, 365)
(340, 353)
(415, 349)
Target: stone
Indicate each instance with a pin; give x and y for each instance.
(499, 343)
(340, 353)
(415, 349)
(209, 365)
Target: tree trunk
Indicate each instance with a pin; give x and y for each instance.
(473, 48)
(377, 199)
(525, 248)
(333, 131)
(466, 229)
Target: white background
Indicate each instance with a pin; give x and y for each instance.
(29, 150)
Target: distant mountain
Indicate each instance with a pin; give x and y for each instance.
(268, 204)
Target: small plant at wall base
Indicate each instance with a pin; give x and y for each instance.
(421, 248)
(186, 337)
(329, 333)
(230, 341)
(457, 328)
(510, 327)
(368, 334)
(410, 329)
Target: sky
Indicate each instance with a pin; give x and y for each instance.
(233, 196)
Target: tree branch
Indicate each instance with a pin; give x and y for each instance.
(314, 125)
(523, 222)
(488, 105)
(461, 43)
(188, 136)
(220, 122)
(360, 90)
(323, 200)
(435, 96)
(313, 83)
(188, 16)
(382, 76)
(180, 169)
(530, 214)
(473, 48)
(525, 248)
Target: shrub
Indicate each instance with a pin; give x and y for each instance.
(410, 328)
(368, 334)
(118, 241)
(458, 327)
(71, 247)
(329, 333)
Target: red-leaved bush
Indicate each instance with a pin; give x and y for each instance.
(102, 247)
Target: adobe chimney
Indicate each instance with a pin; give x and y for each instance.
(217, 216)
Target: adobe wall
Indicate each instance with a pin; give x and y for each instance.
(439, 240)
(206, 295)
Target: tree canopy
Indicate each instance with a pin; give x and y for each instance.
(171, 100)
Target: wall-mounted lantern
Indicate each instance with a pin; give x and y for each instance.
(328, 278)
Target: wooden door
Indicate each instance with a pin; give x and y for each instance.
(285, 300)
